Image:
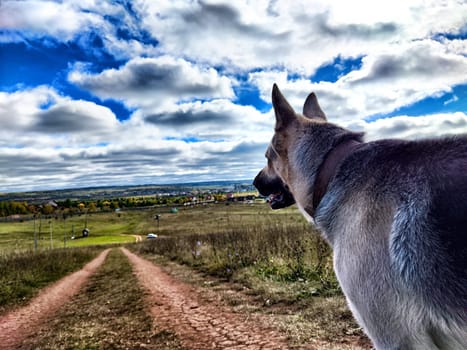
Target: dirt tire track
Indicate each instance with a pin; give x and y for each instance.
(198, 324)
(20, 323)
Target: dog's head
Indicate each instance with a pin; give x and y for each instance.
(276, 179)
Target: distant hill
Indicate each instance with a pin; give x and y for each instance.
(126, 191)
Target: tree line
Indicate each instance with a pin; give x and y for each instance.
(8, 208)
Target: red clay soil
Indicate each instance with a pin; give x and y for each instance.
(199, 324)
(20, 323)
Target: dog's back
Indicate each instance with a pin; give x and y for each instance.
(402, 206)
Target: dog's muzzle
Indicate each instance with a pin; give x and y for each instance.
(278, 194)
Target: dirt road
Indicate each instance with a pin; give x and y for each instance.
(199, 324)
(174, 307)
(18, 324)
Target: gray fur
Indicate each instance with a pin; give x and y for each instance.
(312, 109)
(395, 214)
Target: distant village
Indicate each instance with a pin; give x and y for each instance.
(18, 206)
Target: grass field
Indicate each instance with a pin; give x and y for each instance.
(250, 240)
(113, 227)
(276, 255)
(218, 239)
(105, 228)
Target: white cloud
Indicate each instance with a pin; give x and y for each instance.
(73, 20)
(155, 82)
(130, 161)
(183, 88)
(457, 46)
(46, 18)
(61, 142)
(298, 37)
(412, 128)
(398, 76)
(240, 35)
(215, 120)
(40, 118)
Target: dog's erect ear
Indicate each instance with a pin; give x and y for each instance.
(311, 108)
(284, 112)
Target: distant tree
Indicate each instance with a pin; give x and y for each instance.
(162, 200)
(220, 197)
(12, 208)
(92, 206)
(3, 209)
(67, 213)
(23, 208)
(47, 209)
(32, 209)
(181, 200)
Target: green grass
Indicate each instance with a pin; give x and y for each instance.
(213, 218)
(105, 228)
(22, 275)
(222, 217)
(219, 239)
(276, 255)
(272, 245)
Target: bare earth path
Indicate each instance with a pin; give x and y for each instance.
(138, 238)
(17, 324)
(200, 325)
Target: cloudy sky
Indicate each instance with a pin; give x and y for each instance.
(136, 92)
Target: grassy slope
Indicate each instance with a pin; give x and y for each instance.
(105, 228)
(272, 253)
(108, 314)
(111, 227)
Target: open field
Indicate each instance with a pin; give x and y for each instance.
(239, 241)
(56, 232)
(119, 227)
(144, 306)
(259, 260)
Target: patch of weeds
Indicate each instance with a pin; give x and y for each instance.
(280, 271)
(22, 275)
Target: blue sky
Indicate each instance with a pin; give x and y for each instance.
(133, 92)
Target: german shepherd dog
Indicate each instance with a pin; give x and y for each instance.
(395, 215)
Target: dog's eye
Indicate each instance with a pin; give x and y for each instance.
(270, 154)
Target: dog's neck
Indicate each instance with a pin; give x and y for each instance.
(328, 168)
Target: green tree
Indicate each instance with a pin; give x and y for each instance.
(92, 206)
(47, 209)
